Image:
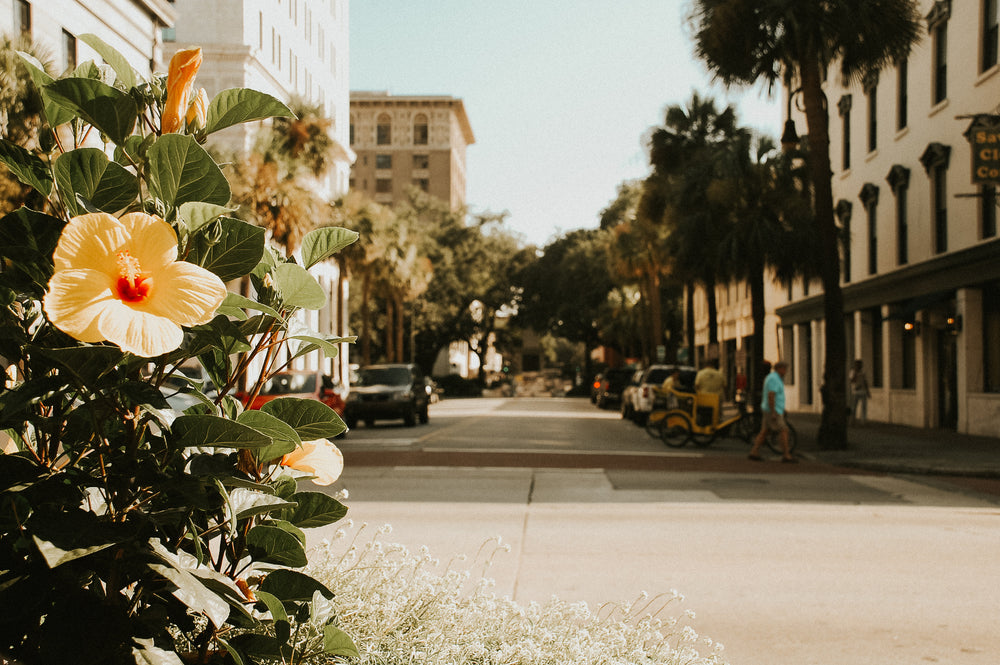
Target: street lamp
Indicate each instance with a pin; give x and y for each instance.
(789, 137)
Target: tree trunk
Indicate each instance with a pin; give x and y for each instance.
(713, 314)
(833, 425)
(390, 330)
(655, 315)
(366, 318)
(400, 328)
(758, 312)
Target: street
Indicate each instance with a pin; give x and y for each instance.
(783, 564)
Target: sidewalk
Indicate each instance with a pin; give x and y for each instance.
(900, 449)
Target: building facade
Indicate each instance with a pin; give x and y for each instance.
(404, 141)
(133, 27)
(920, 272)
(288, 49)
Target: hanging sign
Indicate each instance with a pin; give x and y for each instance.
(984, 139)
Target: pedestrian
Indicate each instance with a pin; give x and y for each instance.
(669, 385)
(860, 391)
(710, 380)
(772, 406)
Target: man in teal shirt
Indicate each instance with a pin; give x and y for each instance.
(772, 407)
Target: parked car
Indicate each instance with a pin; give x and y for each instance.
(642, 398)
(305, 385)
(178, 387)
(612, 383)
(381, 392)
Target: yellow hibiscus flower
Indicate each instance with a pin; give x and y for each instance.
(119, 280)
(320, 458)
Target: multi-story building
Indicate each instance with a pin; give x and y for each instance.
(921, 271)
(404, 141)
(133, 27)
(288, 49)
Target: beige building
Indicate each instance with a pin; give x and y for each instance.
(404, 141)
(133, 27)
(286, 48)
(921, 272)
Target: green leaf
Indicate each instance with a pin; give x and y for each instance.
(234, 304)
(271, 544)
(180, 170)
(56, 556)
(274, 605)
(27, 241)
(196, 214)
(108, 109)
(26, 166)
(297, 288)
(328, 346)
(55, 114)
(126, 75)
(338, 643)
(200, 431)
(236, 105)
(239, 248)
(86, 364)
(246, 503)
(147, 653)
(88, 173)
(320, 244)
(309, 418)
(190, 591)
(291, 585)
(284, 437)
(314, 509)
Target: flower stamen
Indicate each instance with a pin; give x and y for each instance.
(132, 285)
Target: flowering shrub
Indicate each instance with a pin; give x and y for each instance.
(131, 532)
(402, 607)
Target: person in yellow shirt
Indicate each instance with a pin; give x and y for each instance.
(710, 380)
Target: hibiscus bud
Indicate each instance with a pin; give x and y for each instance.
(180, 80)
(247, 591)
(197, 112)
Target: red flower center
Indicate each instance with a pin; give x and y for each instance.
(132, 285)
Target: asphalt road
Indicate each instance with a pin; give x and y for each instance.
(783, 564)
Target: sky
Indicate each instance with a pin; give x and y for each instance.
(560, 93)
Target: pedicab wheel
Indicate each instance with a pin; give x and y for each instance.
(654, 424)
(702, 439)
(676, 429)
(773, 441)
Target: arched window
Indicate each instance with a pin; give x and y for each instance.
(420, 131)
(383, 130)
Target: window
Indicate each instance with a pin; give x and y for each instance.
(988, 211)
(869, 199)
(989, 46)
(991, 331)
(383, 130)
(420, 131)
(935, 160)
(351, 132)
(421, 162)
(844, 105)
(899, 181)
(937, 26)
(843, 212)
(422, 183)
(69, 50)
(902, 94)
(22, 15)
(871, 88)
(383, 186)
(383, 161)
(168, 35)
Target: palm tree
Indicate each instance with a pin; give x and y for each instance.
(743, 41)
(683, 153)
(769, 226)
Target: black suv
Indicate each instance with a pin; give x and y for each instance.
(380, 392)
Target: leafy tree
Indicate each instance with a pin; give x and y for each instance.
(743, 41)
(566, 289)
(684, 156)
(20, 116)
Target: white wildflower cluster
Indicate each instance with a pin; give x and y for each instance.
(405, 607)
